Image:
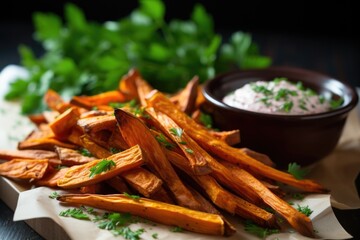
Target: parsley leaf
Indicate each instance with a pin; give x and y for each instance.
(296, 170)
(206, 120)
(129, 234)
(304, 209)
(85, 152)
(259, 231)
(176, 132)
(75, 213)
(132, 196)
(162, 139)
(102, 166)
(176, 229)
(54, 195)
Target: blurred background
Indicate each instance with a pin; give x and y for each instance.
(298, 33)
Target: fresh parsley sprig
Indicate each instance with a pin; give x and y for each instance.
(296, 170)
(102, 166)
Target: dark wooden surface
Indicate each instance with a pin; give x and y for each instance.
(335, 55)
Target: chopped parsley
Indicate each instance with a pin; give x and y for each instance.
(296, 170)
(154, 236)
(188, 150)
(298, 196)
(102, 166)
(85, 152)
(176, 132)
(114, 150)
(162, 139)
(287, 106)
(261, 89)
(259, 231)
(54, 195)
(176, 229)
(77, 213)
(132, 196)
(336, 103)
(129, 234)
(206, 120)
(304, 209)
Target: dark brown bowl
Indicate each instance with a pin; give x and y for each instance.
(304, 139)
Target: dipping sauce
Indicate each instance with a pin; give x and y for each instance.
(278, 96)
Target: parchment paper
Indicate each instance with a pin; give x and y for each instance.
(337, 172)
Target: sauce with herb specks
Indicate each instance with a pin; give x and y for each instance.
(278, 96)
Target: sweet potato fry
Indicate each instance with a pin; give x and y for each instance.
(70, 157)
(30, 154)
(43, 139)
(98, 100)
(55, 102)
(235, 155)
(163, 196)
(37, 119)
(143, 89)
(185, 99)
(134, 131)
(95, 149)
(118, 184)
(194, 153)
(97, 123)
(24, 168)
(127, 84)
(164, 213)
(143, 181)
(296, 219)
(63, 124)
(224, 199)
(78, 176)
(217, 170)
(51, 177)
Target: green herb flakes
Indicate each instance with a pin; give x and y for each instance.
(102, 166)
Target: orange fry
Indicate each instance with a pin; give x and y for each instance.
(214, 146)
(160, 212)
(24, 168)
(134, 131)
(78, 176)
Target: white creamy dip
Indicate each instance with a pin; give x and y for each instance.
(278, 96)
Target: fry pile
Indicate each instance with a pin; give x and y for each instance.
(154, 145)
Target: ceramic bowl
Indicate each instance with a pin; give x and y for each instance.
(303, 139)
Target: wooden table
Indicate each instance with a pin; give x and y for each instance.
(335, 56)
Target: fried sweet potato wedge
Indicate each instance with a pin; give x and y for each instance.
(78, 176)
(198, 158)
(127, 84)
(160, 212)
(118, 184)
(64, 123)
(43, 139)
(134, 131)
(51, 177)
(223, 198)
(101, 99)
(143, 89)
(24, 168)
(143, 181)
(95, 149)
(97, 123)
(235, 155)
(185, 99)
(30, 154)
(296, 219)
(70, 157)
(55, 102)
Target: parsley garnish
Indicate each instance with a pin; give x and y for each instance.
(176, 229)
(154, 235)
(206, 120)
(54, 195)
(102, 166)
(259, 231)
(295, 170)
(336, 103)
(110, 221)
(114, 150)
(129, 234)
(287, 106)
(304, 209)
(162, 139)
(189, 150)
(75, 213)
(261, 89)
(132, 196)
(176, 132)
(59, 166)
(85, 152)
(298, 196)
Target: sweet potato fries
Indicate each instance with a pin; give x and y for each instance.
(138, 140)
